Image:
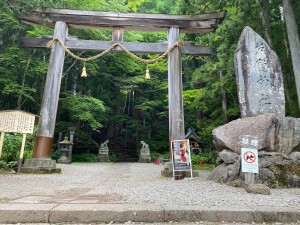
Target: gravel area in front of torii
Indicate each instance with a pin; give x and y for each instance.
(136, 183)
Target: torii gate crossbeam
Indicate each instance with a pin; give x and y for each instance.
(63, 18)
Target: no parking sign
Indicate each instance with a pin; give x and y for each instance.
(249, 160)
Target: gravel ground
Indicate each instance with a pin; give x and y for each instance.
(137, 183)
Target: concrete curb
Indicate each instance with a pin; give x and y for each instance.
(25, 213)
(89, 213)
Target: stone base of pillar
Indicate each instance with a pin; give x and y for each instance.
(38, 165)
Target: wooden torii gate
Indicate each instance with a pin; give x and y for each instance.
(61, 19)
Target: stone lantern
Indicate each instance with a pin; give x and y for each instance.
(65, 148)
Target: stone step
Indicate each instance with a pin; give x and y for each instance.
(122, 213)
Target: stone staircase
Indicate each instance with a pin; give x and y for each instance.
(126, 150)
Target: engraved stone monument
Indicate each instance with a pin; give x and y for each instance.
(103, 152)
(259, 76)
(145, 153)
(274, 136)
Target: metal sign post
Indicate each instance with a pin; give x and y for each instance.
(249, 157)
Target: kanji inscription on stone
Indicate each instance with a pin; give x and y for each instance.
(16, 121)
(259, 76)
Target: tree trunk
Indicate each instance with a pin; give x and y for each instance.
(23, 80)
(293, 37)
(224, 98)
(264, 14)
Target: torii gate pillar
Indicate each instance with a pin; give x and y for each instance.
(176, 115)
(43, 143)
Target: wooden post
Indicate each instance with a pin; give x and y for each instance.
(249, 178)
(1, 142)
(21, 153)
(117, 34)
(44, 139)
(176, 116)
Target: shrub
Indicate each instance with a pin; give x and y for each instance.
(84, 158)
(12, 146)
(2, 164)
(196, 159)
(155, 155)
(113, 157)
(55, 155)
(12, 164)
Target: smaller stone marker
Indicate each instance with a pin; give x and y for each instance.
(103, 155)
(145, 153)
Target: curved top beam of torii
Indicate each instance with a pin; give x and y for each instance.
(133, 21)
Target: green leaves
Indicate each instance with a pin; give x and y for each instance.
(86, 109)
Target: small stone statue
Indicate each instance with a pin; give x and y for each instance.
(103, 152)
(145, 153)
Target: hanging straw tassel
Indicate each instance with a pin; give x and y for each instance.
(83, 74)
(147, 77)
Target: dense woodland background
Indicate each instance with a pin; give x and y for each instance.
(115, 102)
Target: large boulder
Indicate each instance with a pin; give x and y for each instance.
(275, 133)
(258, 75)
(264, 127)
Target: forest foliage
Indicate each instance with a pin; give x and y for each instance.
(115, 101)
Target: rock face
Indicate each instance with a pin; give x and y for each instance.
(289, 135)
(276, 170)
(258, 75)
(261, 98)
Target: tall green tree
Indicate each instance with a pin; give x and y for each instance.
(294, 41)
